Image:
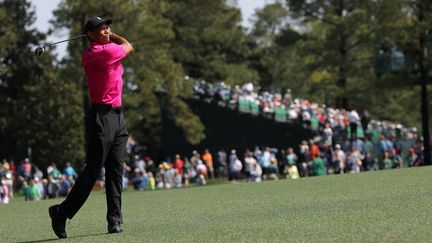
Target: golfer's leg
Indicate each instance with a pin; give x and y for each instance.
(113, 175)
(97, 152)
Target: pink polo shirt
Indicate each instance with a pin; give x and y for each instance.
(104, 73)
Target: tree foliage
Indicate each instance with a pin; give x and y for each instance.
(37, 108)
(209, 42)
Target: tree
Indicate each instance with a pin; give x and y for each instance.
(209, 42)
(339, 48)
(268, 22)
(276, 55)
(408, 32)
(37, 109)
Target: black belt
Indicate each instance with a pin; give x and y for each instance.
(105, 108)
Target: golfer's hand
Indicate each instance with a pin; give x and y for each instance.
(122, 41)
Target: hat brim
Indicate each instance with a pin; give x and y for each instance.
(108, 21)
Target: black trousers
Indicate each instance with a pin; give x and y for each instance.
(106, 147)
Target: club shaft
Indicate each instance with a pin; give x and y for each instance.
(55, 43)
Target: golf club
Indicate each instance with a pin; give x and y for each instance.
(40, 50)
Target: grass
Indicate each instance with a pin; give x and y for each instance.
(381, 206)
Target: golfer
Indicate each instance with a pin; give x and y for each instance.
(106, 126)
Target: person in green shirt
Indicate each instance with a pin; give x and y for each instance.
(387, 161)
(55, 172)
(31, 191)
(318, 166)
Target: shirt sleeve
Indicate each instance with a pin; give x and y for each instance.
(114, 53)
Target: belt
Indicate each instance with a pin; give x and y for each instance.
(105, 108)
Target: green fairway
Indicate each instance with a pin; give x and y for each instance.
(382, 206)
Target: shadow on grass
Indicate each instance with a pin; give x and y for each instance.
(53, 239)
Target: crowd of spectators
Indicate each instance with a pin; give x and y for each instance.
(330, 126)
(343, 142)
(26, 179)
(311, 158)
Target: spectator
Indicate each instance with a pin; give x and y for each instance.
(40, 183)
(26, 169)
(178, 178)
(328, 134)
(53, 187)
(412, 158)
(101, 179)
(202, 173)
(179, 164)
(249, 163)
(314, 150)
(235, 167)
(339, 159)
(265, 162)
(191, 173)
(64, 186)
(387, 161)
(365, 120)
(151, 181)
(273, 168)
(139, 163)
(368, 162)
(396, 159)
(222, 163)
(125, 175)
(38, 173)
(354, 160)
(140, 180)
(6, 177)
(4, 192)
(354, 120)
(255, 172)
(31, 191)
(304, 157)
(208, 161)
(150, 165)
(70, 171)
(318, 166)
(292, 170)
(55, 172)
(291, 158)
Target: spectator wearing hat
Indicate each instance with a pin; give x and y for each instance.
(235, 166)
(202, 173)
(339, 159)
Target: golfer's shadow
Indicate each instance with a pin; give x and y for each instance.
(53, 239)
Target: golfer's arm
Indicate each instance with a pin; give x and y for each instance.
(122, 41)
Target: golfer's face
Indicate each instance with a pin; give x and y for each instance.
(101, 34)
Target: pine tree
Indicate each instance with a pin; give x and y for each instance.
(37, 108)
